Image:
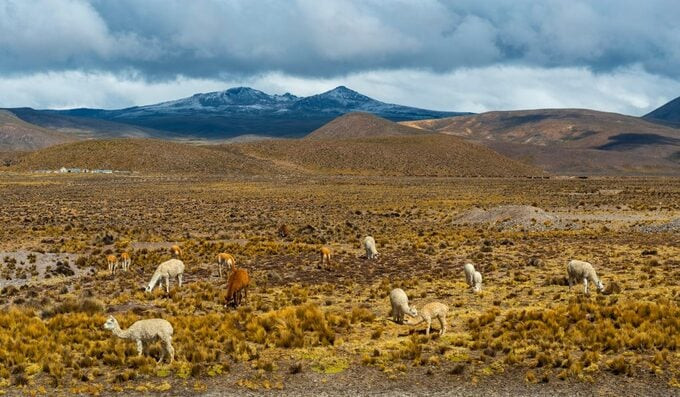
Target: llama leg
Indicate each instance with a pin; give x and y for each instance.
(585, 285)
(163, 352)
(140, 347)
(170, 349)
(179, 279)
(429, 324)
(167, 284)
(442, 322)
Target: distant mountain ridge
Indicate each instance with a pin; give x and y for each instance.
(18, 135)
(242, 110)
(570, 140)
(669, 113)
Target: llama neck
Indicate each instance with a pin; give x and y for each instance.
(123, 334)
(154, 279)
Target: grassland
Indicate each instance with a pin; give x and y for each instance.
(306, 328)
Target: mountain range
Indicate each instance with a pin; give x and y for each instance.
(345, 131)
(226, 114)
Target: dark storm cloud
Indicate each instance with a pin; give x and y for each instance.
(158, 40)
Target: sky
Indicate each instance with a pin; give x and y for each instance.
(459, 55)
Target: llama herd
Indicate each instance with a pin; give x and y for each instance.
(239, 280)
(577, 271)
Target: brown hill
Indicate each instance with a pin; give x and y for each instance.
(16, 134)
(593, 142)
(144, 155)
(410, 155)
(361, 125)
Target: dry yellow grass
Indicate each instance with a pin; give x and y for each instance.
(301, 317)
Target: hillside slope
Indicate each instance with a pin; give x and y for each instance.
(670, 113)
(86, 127)
(143, 155)
(18, 135)
(608, 143)
(419, 155)
(358, 125)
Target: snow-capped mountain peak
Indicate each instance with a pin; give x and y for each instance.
(244, 110)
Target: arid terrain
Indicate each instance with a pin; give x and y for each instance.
(311, 329)
(567, 141)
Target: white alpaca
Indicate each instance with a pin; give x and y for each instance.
(369, 245)
(168, 269)
(430, 311)
(580, 270)
(469, 270)
(399, 302)
(477, 281)
(145, 331)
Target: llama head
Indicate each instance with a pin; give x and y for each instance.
(600, 286)
(413, 312)
(110, 323)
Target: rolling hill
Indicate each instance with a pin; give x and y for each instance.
(567, 141)
(227, 114)
(406, 155)
(18, 135)
(144, 155)
(362, 125)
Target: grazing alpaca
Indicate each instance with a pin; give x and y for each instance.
(469, 270)
(145, 331)
(237, 286)
(430, 311)
(369, 245)
(112, 262)
(325, 256)
(224, 259)
(477, 278)
(580, 270)
(399, 302)
(176, 251)
(167, 270)
(125, 261)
